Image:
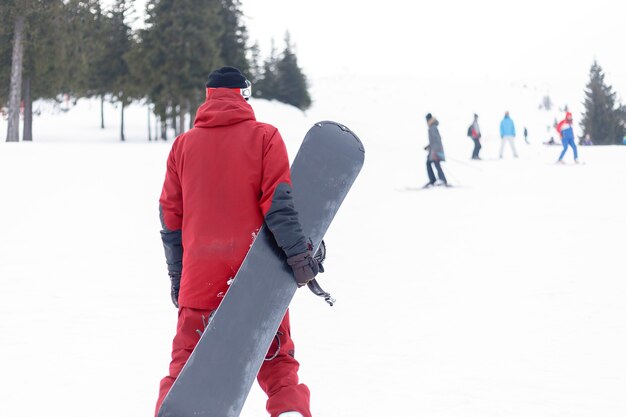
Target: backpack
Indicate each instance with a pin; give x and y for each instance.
(469, 131)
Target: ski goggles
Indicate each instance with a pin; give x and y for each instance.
(245, 92)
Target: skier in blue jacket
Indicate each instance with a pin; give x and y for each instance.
(507, 134)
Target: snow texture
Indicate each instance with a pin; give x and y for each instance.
(503, 296)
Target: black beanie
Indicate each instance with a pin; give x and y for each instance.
(429, 116)
(226, 77)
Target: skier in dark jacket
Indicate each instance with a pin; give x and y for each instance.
(526, 135)
(474, 133)
(435, 152)
(224, 178)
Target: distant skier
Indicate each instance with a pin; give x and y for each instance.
(225, 177)
(435, 153)
(526, 135)
(550, 141)
(507, 134)
(474, 133)
(566, 131)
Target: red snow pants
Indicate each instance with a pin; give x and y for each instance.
(277, 377)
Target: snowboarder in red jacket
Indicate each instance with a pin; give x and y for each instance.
(224, 178)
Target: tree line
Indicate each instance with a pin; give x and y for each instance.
(79, 48)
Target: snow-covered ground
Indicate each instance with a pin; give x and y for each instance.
(503, 296)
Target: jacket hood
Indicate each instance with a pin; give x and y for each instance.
(223, 107)
(568, 116)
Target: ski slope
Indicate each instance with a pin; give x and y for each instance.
(503, 296)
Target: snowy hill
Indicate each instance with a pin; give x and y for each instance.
(503, 296)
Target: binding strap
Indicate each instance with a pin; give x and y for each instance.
(315, 288)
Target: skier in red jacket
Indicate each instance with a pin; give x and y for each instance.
(566, 131)
(224, 178)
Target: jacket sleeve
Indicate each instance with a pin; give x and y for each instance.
(437, 138)
(276, 200)
(559, 127)
(171, 215)
(431, 137)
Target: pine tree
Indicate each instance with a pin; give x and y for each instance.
(265, 86)
(282, 79)
(180, 46)
(36, 57)
(101, 58)
(292, 86)
(118, 46)
(6, 37)
(234, 39)
(18, 12)
(44, 62)
(623, 123)
(256, 68)
(83, 47)
(601, 119)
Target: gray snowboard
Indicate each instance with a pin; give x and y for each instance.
(222, 368)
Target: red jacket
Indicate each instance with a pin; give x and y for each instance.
(565, 127)
(220, 182)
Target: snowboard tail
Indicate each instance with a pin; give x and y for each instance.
(217, 378)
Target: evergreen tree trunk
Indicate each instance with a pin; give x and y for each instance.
(157, 120)
(149, 127)
(181, 117)
(122, 124)
(102, 111)
(175, 111)
(28, 111)
(167, 116)
(13, 129)
(164, 128)
(188, 105)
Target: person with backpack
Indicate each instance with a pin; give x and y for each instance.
(474, 133)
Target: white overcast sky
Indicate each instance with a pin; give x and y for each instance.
(549, 41)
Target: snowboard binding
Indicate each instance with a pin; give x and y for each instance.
(313, 285)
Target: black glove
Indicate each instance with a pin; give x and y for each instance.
(175, 278)
(427, 147)
(304, 267)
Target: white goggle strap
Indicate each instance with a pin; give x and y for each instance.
(247, 91)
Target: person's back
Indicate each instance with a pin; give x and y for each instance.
(507, 127)
(224, 178)
(507, 134)
(229, 165)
